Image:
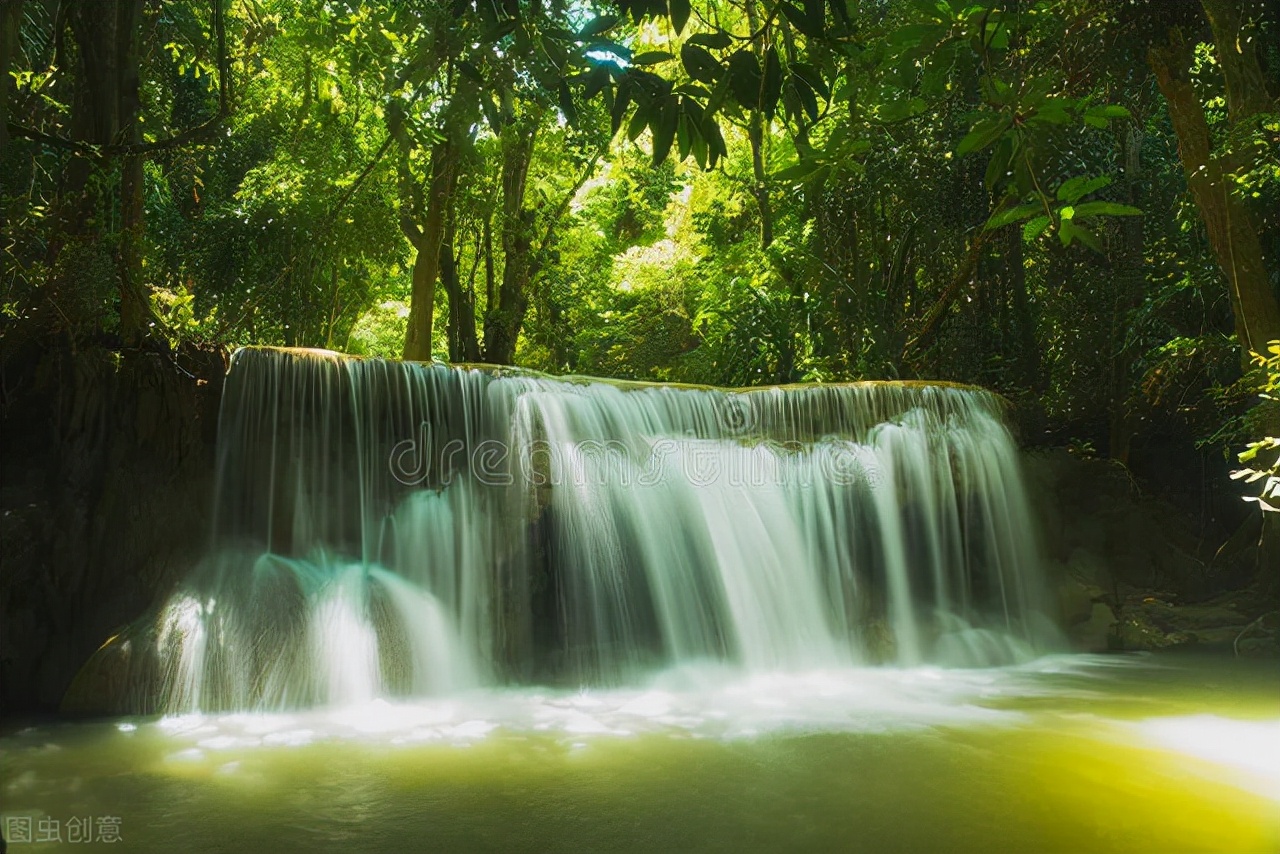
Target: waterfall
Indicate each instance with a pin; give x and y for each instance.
(388, 529)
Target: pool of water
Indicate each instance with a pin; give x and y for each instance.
(1070, 754)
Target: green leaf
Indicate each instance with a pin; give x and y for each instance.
(716, 147)
(501, 30)
(998, 91)
(802, 21)
(744, 78)
(934, 9)
(902, 108)
(470, 71)
(798, 173)
(1106, 209)
(664, 128)
(804, 97)
(1074, 189)
(1052, 111)
(684, 138)
(996, 36)
(693, 89)
(700, 64)
(998, 166)
(718, 96)
(983, 133)
(700, 150)
(1068, 232)
(614, 48)
(639, 121)
(915, 37)
(555, 52)
(1101, 116)
(594, 81)
(1108, 111)
(597, 26)
(812, 77)
(772, 82)
(621, 100)
(1014, 214)
(718, 40)
(651, 57)
(815, 11)
(679, 11)
(567, 108)
(1034, 228)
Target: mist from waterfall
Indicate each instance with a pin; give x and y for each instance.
(388, 529)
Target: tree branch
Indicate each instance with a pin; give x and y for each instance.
(103, 153)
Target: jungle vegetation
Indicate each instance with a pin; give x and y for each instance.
(1073, 202)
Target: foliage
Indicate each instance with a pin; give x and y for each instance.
(1263, 455)
(729, 191)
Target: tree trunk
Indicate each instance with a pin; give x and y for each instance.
(1238, 56)
(10, 23)
(427, 242)
(106, 112)
(1127, 285)
(135, 302)
(1023, 319)
(1230, 228)
(755, 134)
(502, 322)
(463, 344)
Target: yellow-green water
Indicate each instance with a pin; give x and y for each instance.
(1068, 754)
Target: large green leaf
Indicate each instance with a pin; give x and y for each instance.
(1106, 209)
(1101, 115)
(718, 40)
(812, 77)
(567, 108)
(1069, 232)
(651, 57)
(639, 121)
(744, 78)
(1014, 214)
(679, 11)
(597, 26)
(663, 125)
(984, 132)
(700, 64)
(621, 100)
(772, 82)
(803, 97)
(804, 20)
(469, 70)
(594, 81)
(1035, 227)
(1074, 189)
(798, 173)
(998, 166)
(500, 30)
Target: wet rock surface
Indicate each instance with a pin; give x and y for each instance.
(1134, 573)
(107, 462)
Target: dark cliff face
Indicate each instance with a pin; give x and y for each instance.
(106, 475)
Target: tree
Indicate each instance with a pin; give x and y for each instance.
(1227, 218)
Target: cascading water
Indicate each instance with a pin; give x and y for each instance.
(400, 529)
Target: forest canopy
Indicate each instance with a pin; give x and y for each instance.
(1073, 202)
